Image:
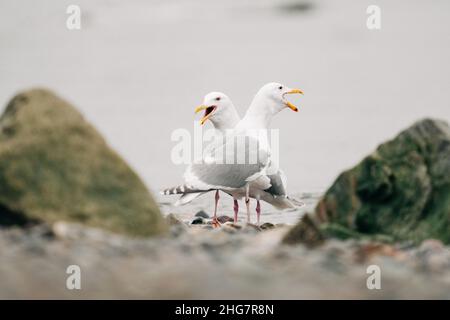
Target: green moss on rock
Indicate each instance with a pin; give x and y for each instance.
(400, 192)
(56, 166)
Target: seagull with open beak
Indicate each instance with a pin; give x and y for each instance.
(249, 180)
(219, 110)
(267, 102)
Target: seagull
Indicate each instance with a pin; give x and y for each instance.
(269, 183)
(241, 180)
(219, 109)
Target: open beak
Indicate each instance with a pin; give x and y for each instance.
(290, 105)
(208, 112)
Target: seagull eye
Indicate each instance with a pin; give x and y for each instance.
(218, 99)
(280, 87)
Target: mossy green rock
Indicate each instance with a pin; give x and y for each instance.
(56, 166)
(400, 192)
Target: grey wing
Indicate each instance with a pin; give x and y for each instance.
(224, 175)
(234, 161)
(278, 184)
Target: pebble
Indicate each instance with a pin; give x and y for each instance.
(198, 220)
(267, 225)
(202, 214)
(234, 225)
(223, 219)
(235, 252)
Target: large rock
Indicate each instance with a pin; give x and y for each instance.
(399, 192)
(56, 166)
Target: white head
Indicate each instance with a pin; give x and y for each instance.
(219, 109)
(271, 98)
(268, 101)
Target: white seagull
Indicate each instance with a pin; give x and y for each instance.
(260, 179)
(219, 109)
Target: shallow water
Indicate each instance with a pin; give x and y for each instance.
(137, 70)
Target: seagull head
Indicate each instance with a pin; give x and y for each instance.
(218, 109)
(273, 97)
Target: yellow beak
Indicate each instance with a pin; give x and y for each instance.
(295, 91)
(200, 108)
(206, 117)
(290, 105)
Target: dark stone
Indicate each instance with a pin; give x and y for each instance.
(202, 214)
(198, 220)
(400, 192)
(223, 219)
(267, 225)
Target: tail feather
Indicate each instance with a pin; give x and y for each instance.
(295, 201)
(182, 189)
(283, 202)
(187, 197)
